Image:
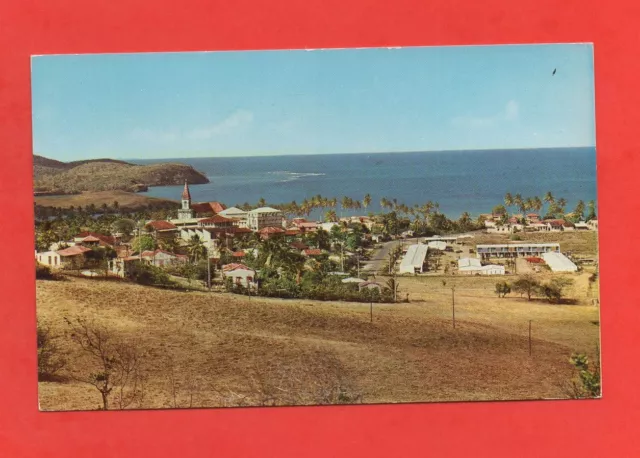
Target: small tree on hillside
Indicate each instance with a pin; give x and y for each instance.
(554, 289)
(502, 288)
(50, 361)
(118, 365)
(587, 383)
(526, 284)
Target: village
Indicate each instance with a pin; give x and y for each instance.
(353, 249)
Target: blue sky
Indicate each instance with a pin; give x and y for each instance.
(170, 105)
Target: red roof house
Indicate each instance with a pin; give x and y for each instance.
(160, 225)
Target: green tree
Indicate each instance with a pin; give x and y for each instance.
(50, 359)
(526, 284)
(366, 201)
(142, 243)
(502, 288)
(592, 210)
(587, 383)
(196, 248)
(555, 288)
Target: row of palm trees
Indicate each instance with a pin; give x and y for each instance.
(555, 206)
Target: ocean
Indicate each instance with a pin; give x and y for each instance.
(472, 181)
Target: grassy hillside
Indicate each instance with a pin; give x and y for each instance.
(207, 350)
(54, 177)
(128, 200)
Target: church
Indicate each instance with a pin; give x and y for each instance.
(188, 210)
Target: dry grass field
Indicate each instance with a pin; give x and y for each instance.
(214, 349)
(125, 199)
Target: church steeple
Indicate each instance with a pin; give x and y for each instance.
(185, 193)
(185, 212)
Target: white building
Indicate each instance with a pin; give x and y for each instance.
(240, 274)
(473, 266)
(558, 262)
(49, 258)
(414, 260)
(264, 217)
(512, 250)
(437, 245)
(236, 214)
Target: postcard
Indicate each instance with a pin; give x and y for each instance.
(348, 226)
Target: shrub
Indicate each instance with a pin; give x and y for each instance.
(145, 274)
(50, 362)
(45, 273)
(502, 288)
(586, 384)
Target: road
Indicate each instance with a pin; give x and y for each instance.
(380, 256)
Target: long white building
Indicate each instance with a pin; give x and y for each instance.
(473, 266)
(512, 250)
(558, 262)
(414, 260)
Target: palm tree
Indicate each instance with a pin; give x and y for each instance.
(578, 212)
(330, 216)
(508, 200)
(592, 210)
(517, 201)
(262, 202)
(548, 197)
(562, 202)
(366, 201)
(196, 248)
(384, 203)
(537, 203)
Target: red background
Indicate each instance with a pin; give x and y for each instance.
(526, 429)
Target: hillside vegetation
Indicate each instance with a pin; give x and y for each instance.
(55, 177)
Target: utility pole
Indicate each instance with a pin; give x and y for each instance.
(371, 308)
(208, 269)
(529, 337)
(453, 304)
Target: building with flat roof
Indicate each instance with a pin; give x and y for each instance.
(414, 260)
(513, 250)
(264, 217)
(473, 266)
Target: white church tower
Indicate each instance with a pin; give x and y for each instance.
(185, 212)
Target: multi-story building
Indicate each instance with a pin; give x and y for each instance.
(513, 250)
(264, 217)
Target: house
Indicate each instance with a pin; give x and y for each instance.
(270, 231)
(238, 255)
(103, 240)
(473, 266)
(49, 258)
(554, 225)
(533, 218)
(123, 267)
(292, 232)
(264, 217)
(73, 257)
(162, 229)
(414, 260)
(297, 245)
(160, 258)
(240, 275)
(582, 226)
(312, 252)
(593, 224)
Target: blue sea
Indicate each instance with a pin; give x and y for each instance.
(459, 181)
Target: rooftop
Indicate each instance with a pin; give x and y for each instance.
(265, 210)
(73, 250)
